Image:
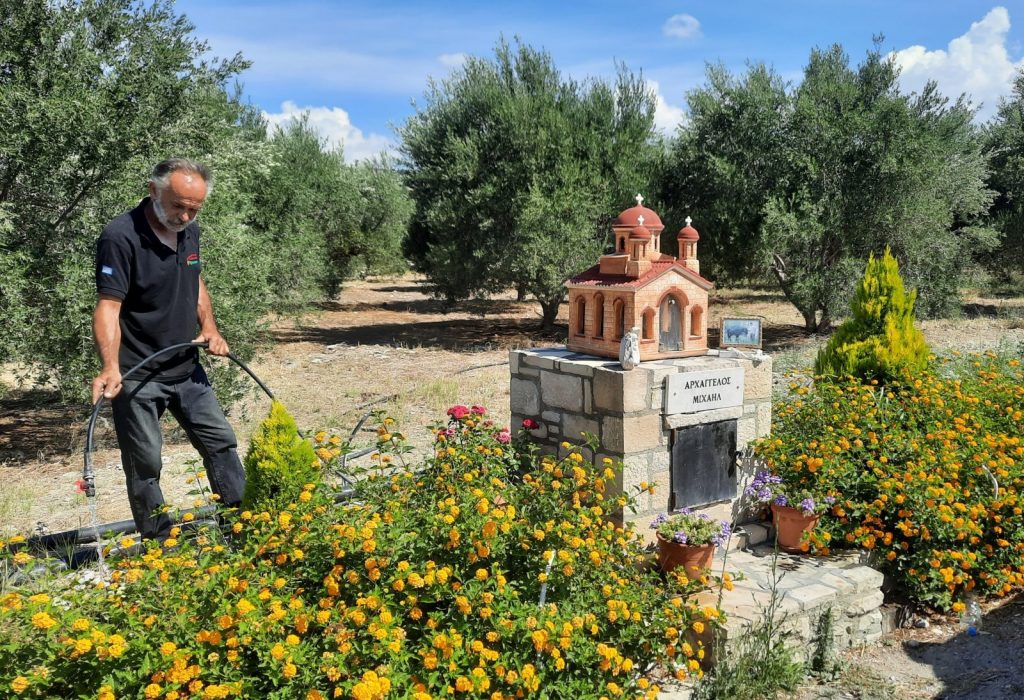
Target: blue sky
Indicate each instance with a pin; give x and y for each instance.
(357, 66)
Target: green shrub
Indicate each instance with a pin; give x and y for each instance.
(279, 461)
(879, 339)
(913, 466)
(445, 579)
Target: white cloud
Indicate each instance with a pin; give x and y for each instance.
(452, 60)
(977, 63)
(313, 64)
(334, 124)
(682, 27)
(666, 117)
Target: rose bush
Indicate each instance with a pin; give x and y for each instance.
(460, 577)
(913, 466)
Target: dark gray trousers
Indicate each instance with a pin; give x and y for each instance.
(137, 410)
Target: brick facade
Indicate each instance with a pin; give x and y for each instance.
(638, 286)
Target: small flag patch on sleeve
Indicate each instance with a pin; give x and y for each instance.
(107, 270)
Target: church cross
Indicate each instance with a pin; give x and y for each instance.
(639, 200)
(688, 220)
(640, 220)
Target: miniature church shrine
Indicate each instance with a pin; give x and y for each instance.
(639, 286)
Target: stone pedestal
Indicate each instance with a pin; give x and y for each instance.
(570, 394)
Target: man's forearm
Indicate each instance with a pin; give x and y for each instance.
(106, 329)
(204, 310)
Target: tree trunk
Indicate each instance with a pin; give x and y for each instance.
(810, 320)
(810, 315)
(824, 323)
(521, 292)
(549, 312)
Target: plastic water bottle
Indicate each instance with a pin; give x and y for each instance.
(970, 618)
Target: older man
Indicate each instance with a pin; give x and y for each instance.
(151, 296)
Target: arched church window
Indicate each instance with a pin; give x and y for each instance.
(619, 313)
(648, 325)
(696, 322)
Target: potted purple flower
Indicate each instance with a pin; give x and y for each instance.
(689, 540)
(794, 514)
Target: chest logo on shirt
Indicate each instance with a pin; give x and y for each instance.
(192, 259)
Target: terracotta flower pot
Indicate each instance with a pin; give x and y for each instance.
(790, 526)
(695, 558)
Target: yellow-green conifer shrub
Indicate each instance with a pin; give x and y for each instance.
(279, 461)
(879, 340)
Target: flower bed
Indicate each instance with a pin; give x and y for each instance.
(461, 577)
(913, 466)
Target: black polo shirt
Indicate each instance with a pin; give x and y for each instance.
(159, 292)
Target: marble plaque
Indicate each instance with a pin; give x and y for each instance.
(689, 392)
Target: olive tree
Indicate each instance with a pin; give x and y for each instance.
(516, 170)
(1004, 141)
(91, 94)
(802, 183)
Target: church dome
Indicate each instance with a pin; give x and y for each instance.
(688, 232)
(632, 217)
(640, 233)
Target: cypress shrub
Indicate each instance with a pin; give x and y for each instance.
(879, 340)
(279, 461)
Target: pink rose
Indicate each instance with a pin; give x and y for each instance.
(504, 437)
(479, 410)
(458, 412)
(530, 424)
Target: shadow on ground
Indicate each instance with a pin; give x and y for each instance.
(403, 289)
(35, 422)
(749, 296)
(35, 425)
(984, 667)
(457, 334)
(477, 307)
(993, 310)
(480, 334)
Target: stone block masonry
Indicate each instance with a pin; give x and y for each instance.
(569, 394)
(807, 588)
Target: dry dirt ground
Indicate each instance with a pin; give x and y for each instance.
(386, 345)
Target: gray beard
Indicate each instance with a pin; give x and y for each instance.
(165, 220)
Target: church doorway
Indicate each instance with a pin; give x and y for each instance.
(670, 315)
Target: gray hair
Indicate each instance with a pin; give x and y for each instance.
(162, 172)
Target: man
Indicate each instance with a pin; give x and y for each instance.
(151, 296)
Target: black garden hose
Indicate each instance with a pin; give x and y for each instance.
(88, 476)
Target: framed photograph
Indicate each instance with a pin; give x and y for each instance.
(740, 333)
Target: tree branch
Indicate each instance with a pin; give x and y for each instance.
(86, 188)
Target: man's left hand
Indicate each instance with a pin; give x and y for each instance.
(217, 344)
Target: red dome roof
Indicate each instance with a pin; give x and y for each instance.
(689, 233)
(640, 233)
(630, 218)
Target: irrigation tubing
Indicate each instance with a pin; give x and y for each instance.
(88, 475)
(71, 541)
(76, 548)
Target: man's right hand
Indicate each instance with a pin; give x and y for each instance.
(107, 383)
